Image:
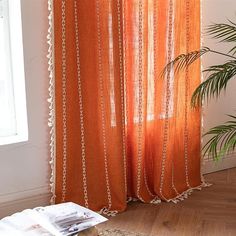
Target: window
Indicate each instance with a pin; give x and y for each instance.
(13, 118)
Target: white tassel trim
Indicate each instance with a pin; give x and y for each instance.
(155, 200)
(188, 192)
(51, 101)
(132, 199)
(105, 211)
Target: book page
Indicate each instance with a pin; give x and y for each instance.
(5, 229)
(56, 220)
(22, 224)
(68, 218)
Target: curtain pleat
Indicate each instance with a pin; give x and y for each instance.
(123, 131)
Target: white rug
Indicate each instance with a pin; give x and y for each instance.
(117, 232)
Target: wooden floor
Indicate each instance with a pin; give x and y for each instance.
(211, 211)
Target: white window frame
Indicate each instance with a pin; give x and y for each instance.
(17, 73)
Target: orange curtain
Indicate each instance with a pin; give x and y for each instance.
(121, 131)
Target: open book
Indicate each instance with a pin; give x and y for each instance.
(56, 220)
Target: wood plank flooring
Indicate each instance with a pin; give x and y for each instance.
(211, 211)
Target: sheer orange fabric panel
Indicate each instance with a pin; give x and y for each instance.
(121, 129)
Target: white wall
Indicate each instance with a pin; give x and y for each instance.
(218, 11)
(24, 168)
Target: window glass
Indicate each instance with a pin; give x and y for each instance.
(13, 119)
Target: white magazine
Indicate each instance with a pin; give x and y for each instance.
(56, 220)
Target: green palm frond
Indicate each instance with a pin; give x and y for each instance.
(223, 139)
(184, 60)
(224, 32)
(232, 51)
(215, 83)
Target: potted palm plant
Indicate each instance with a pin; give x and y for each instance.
(222, 138)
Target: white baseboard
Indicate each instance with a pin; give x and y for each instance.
(23, 200)
(12, 196)
(209, 165)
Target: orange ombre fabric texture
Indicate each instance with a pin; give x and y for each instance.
(121, 130)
